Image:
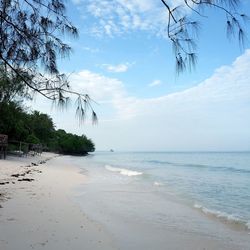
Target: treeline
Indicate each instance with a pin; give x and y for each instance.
(38, 128)
(34, 127)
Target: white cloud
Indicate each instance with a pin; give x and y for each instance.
(119, 68)
(116, 17)
(228, 85)
(112, 17)
(99, 87)
(213, 115)
(106, 91)
(155, 83)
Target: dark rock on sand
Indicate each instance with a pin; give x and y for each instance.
(15, 175)
(3, 183)
(26, 179)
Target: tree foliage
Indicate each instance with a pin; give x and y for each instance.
(13, 121)
(12, 86)
(182, 30)
(67, 143)
(38, 128)
(30, 44)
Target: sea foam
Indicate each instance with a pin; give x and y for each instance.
(157, 183)
(123, 171)
(223, 216)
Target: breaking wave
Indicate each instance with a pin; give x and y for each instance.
(228, 218)
(123, 171)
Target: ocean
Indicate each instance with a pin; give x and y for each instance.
(214, 183)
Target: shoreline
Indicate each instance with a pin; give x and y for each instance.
(61, 209)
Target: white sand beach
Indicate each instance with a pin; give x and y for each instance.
(39, 214)
(44, 214)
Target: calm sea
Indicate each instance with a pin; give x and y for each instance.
(217, 184)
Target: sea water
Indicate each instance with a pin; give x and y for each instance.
(216, 184)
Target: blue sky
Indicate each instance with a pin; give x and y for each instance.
(123, 60)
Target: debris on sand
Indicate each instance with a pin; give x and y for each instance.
(26, 179)
(4, 183)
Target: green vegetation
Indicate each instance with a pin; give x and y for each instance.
(70, 143)
(34, 127)
(38, 128)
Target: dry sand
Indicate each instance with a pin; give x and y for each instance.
(39, 214)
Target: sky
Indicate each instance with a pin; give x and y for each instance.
(125, 62)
